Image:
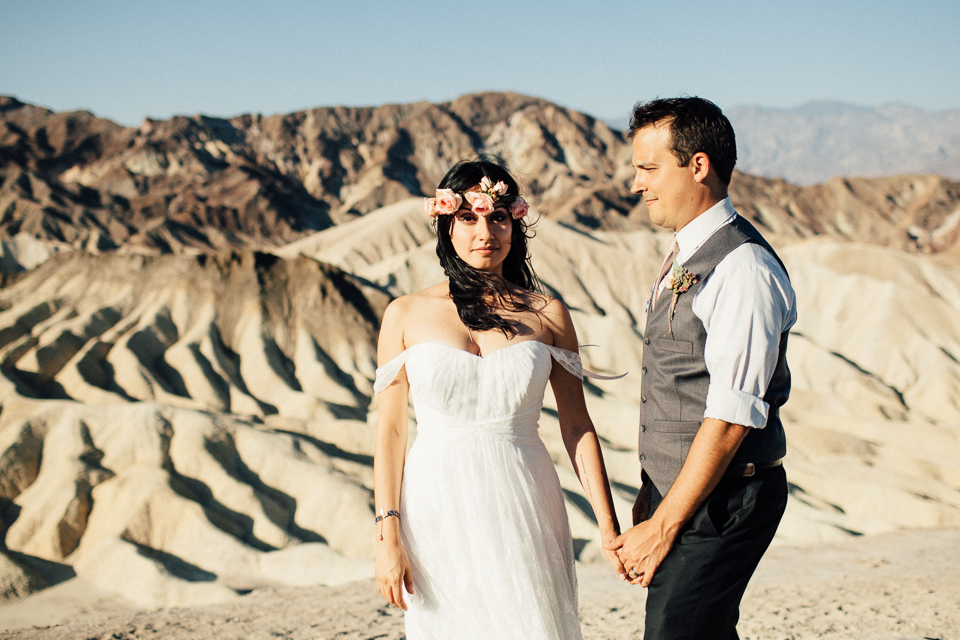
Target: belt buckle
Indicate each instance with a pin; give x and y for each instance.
(749, 469)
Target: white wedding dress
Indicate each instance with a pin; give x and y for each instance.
(482, 514)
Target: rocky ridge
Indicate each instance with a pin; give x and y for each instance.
(204, 184)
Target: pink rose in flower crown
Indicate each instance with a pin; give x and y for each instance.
(500, 188)
(447, 201)
(481, 203)
(485, 183)
(519, 208)
(430, 206)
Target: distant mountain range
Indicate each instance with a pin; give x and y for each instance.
(817, 141)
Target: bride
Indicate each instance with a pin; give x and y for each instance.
(473, 538)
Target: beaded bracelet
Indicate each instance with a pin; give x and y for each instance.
(383, 515)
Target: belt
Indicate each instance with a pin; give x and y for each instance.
(747, 469)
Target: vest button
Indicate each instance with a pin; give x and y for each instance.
(642, 457)
(646, 341)
(643, 398)
(643, 370)
(643, 427)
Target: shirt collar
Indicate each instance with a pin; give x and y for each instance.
(699, 230)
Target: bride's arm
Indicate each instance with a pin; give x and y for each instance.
(392, 564)
(579, 435)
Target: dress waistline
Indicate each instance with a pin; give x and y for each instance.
(437, 427)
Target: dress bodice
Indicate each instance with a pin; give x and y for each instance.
(503, 389)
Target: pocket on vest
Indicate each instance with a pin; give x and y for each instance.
(676, 346)
(667, 426)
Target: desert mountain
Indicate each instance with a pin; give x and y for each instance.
(912, 212)
(253, 182)
(186, 391)
(817, 141)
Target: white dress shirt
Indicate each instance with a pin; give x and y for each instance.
(745, 304)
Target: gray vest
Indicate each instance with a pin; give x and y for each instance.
(673, 388)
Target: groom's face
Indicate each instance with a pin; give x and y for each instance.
(666, 187)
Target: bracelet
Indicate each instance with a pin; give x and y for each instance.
(385, 514)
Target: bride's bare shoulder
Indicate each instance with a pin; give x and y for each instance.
(553, 305)
(416, 303)
(439, 291)
(541, 303)
(555, 317)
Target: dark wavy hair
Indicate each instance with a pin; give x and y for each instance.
(472, 289)
(696, 125)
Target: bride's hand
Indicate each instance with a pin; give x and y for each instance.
(393, 570)
(613, 557)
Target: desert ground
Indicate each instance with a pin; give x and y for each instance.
(896, 586)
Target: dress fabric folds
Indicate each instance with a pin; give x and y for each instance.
(483, 515)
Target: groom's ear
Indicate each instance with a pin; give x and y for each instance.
(700, 165)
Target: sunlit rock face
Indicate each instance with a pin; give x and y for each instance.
(189, 313)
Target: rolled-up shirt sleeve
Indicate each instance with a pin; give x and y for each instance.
(745, 304)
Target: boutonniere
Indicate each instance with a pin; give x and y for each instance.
(679, 281)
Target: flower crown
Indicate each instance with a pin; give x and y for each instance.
(447, 201)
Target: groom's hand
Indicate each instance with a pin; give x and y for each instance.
(641, 550)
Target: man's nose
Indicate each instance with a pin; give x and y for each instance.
(637, 186)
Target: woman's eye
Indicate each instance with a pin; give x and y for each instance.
(498, 217)
(467, 218)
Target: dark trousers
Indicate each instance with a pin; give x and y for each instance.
(695, 594)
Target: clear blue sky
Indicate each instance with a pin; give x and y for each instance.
(127, 60)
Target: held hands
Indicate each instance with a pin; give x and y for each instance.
(393, 570)
(641, 549)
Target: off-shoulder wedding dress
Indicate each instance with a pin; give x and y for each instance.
(483, 516)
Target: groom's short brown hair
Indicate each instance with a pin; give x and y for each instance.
(696, 125)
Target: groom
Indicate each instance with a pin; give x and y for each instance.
(714, 378)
